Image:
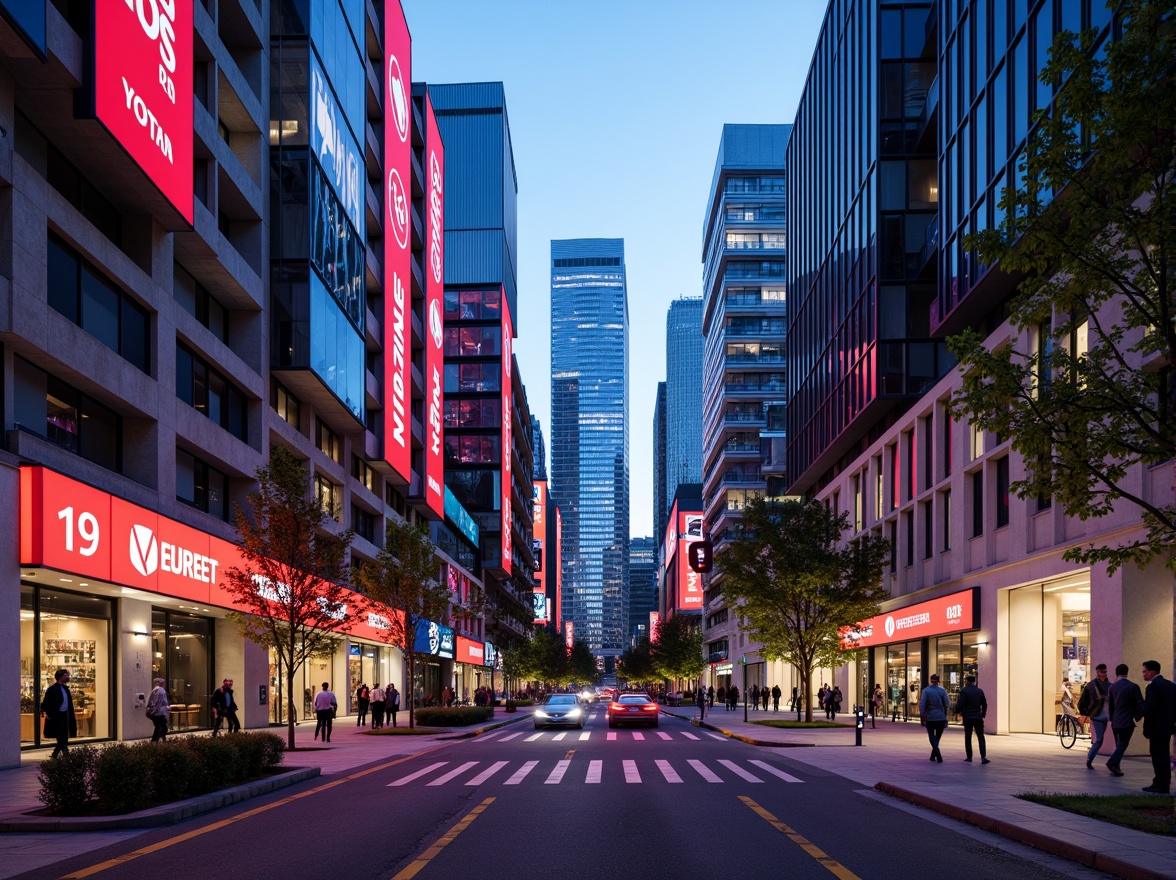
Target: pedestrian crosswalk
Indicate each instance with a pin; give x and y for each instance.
(594, 772)
(587, 735)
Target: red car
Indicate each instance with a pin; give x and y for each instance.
(634, 708)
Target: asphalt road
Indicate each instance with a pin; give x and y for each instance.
(598, 804)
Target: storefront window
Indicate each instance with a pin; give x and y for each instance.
(182, 657)
(62, 630)
(895, 687)
(369, 664)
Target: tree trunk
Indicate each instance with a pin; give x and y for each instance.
(289, 709)
(807, 676)
(410, 689)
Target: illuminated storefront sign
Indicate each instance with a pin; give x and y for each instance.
(654, 619)
(539, 602)
(143, 63)
(432, 638)
(434, 312)
(569, 634)
(469, 651)
(957, 612)
(689, 581)
(491, 655)
(507, 412)
(397, 245)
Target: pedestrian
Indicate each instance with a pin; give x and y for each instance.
(1093, 704)
(721, 694)
(393, 703)
(972, 707)
(158, 708)
(933, 708)
(700, 698)
(755, 696)
(764, 694)
(363, 699)
(795, 699)
(1125, 707)
(821, 692)
(836, 700)
(733, 698)
(1159, 717)
(224, 707)
(877, 699)
(776, 694)
(710, 697)
(378, 697)
(57, 708)
(325, 706)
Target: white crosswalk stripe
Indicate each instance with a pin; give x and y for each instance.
(775, 771)
(612, 735)
(486, 737)
(716, 736)
(637, 735)
(533, 737)
(595, 768)
(453, 774)
(584, 736)
(668, 772)
(739, 771)
(510, 736)
(521, 773)
(631, 774)
(413, 776)
(689, 736)
(487, 773)
(664, 735)
(557, 774)
(559, 736)
(704, 772)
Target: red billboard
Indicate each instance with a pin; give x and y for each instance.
(956, 612)
(143, 60)
(434, 313)
(397, 318)
(689, 581)
(507, 412)
(556, 563)
(469, 651)
(569, 634)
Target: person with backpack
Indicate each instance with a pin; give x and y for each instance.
(362, 701)
(1093, 704)
(776, 694)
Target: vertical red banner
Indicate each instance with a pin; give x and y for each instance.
(434, 313)
(507, 412)
(397, 241)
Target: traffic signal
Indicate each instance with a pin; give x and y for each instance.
(702, 556)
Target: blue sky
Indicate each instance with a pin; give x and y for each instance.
(615, 109)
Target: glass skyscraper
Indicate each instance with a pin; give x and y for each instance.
(642, 587)
(590, 434)
(683, 396)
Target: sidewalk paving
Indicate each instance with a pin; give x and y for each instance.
(347, 751)
(893, 760)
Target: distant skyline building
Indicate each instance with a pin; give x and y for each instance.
(642, 587)
(660, 507)
(539, 447)
(590, 434)
(683, 430)
(744, 267)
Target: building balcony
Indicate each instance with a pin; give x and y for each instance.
(757, 389)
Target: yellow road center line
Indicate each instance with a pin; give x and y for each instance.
(216, 826)
(447, 838)
(830, 864)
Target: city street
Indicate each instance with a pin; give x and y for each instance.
(594, 803)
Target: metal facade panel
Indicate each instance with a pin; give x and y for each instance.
(473, 256)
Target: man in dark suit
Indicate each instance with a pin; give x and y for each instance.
(1124, 708)
(1159, 717)
(57, 708)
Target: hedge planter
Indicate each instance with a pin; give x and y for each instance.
(457, 716)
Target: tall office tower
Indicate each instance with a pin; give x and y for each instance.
(743, 324)
(539, 445)
(487, 422)
(590, 433)
(879, 277)
(660, 507)
(184, 297)
(683, 395)
(642, 588)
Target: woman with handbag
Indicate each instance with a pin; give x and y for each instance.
(158, 708)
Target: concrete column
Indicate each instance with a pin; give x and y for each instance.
(133, 674)
(10, 613)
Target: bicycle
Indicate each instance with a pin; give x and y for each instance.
(1067, 729)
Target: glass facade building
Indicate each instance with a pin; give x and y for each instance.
(683, 429)
(590, 434)
(642, 588)
(661, 509)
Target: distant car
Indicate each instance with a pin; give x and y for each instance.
(587, 695)
(559, 710)
(632, 708)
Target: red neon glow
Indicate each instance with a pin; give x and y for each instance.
(689, 581)
(434, 313)
(956, 612)
(397, 246)
(143, 60)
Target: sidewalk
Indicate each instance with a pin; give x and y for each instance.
(347, 751)
(893, 760)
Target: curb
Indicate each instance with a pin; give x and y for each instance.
(1052, 845)
(168, 814)
(770, 744)
(489, 727)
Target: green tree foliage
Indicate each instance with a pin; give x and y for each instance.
(1092, 229)
(404, 577)
(797, 586)
(636, 664)
(676, 651)
(293, 576)
(581, 664)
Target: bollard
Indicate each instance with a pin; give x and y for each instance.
(860, 715)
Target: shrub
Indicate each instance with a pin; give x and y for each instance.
(122, 777)
(174, 766)
(66, 780)
(457, 716)
(523, 702)
(251, 750)
(274, 752)
(219, 765)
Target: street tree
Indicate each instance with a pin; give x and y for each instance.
(636, 664)
(404, 586)
(291, 585)
(1089, 398)
(581, 664)
(798, 586)
(676, 650)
